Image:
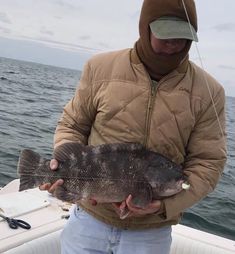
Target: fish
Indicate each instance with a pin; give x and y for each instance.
(107, 173)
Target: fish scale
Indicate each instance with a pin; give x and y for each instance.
(107, 173)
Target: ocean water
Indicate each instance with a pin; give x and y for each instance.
(32, 97)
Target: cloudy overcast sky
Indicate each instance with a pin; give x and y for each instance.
(67, 32)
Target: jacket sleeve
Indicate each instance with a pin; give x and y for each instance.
(205, 158)
(78, 115)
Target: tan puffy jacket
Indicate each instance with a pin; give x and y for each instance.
(116, 101)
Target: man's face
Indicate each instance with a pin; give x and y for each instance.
(167, 47)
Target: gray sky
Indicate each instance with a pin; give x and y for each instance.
(67, 32)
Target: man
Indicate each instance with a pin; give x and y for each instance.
(151, 94)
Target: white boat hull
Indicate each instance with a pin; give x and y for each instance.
(47, 224)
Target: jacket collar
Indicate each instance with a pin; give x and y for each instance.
(182, 68)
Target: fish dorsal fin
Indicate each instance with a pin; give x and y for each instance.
(118, 147)
(68, 150)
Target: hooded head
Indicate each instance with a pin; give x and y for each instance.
(162, 16)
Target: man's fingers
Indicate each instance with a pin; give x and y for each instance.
(45, 186)
(155, 204)
(55, 185)
(122, 206)
(153, 207)
(54, 164)
(51, 187)
(128, 200)
(130, 205)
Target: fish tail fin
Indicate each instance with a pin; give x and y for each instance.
(27, 164)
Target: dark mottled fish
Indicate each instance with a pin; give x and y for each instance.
(106, 173)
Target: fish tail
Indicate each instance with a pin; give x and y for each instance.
(27, 164)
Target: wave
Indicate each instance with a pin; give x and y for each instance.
(198, 222)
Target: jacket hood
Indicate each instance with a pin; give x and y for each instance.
(159, 65)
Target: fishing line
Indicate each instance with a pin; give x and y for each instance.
(204, 73)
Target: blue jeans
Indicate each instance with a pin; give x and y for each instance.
(84, 234)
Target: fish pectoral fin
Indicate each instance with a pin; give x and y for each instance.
(143, 194)
(68, 151)
(63, 194)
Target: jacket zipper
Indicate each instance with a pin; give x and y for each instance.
(149, 111)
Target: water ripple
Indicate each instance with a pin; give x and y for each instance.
(31, 100)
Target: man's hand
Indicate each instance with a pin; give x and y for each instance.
(48, 186)
(151, 208)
